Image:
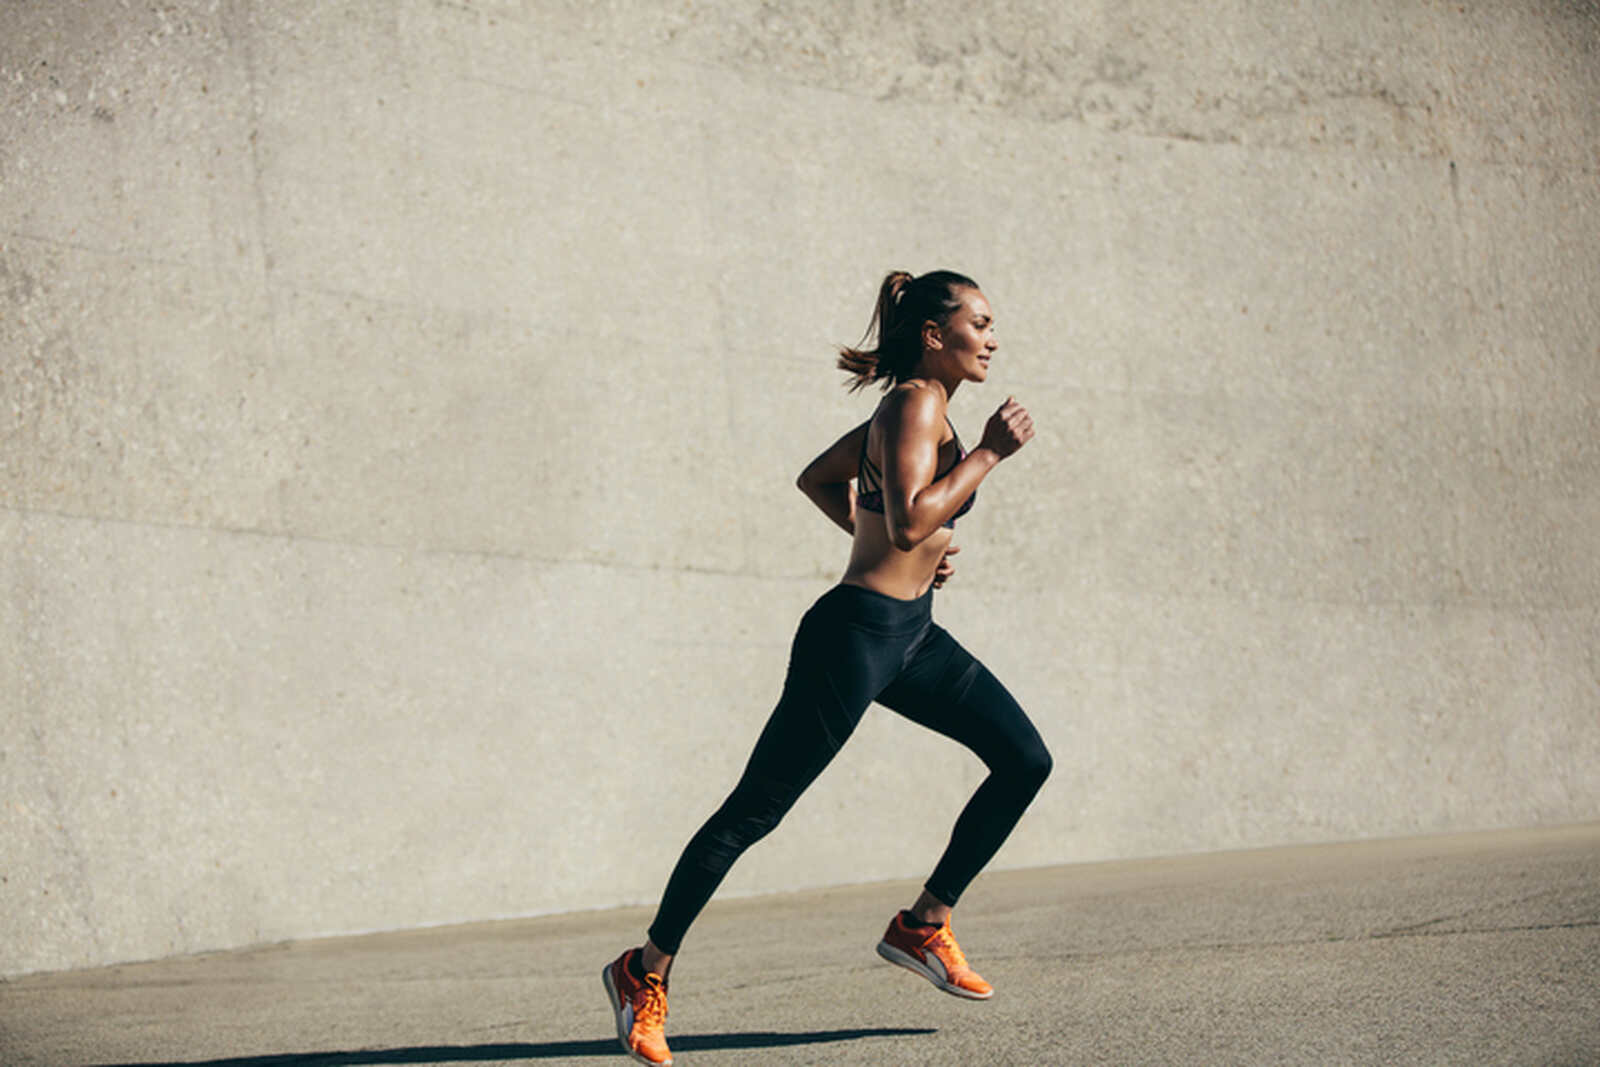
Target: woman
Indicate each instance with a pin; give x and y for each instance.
(872, 637)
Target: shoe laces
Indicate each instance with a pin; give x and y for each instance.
(650, 1003)
(945, 942)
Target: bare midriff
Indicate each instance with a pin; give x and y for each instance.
(876, 564)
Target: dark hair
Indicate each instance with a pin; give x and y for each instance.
(904, 304)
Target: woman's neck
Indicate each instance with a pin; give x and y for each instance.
(930, 374)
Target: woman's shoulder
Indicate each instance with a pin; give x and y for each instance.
(915, 400)
(913, 409)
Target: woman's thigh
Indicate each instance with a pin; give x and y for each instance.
(945, 688)
(838, 664)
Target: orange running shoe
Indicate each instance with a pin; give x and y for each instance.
(935, 955)
(641, 1011)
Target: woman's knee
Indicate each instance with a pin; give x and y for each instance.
(1033, 764)
(1029, 762)
(752, 811)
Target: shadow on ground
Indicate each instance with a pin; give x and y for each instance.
(547, 1050)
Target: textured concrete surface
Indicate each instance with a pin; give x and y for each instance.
(399, 409)
(1469, 949)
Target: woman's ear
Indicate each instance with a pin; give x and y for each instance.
(931, 336)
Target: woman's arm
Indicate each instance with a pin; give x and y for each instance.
(826, 479)
(915, 505)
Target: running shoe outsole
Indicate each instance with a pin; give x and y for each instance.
(901, 958)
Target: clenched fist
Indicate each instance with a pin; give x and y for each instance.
(1007, 429)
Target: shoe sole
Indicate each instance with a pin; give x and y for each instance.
(901, 958)
(622, 1030)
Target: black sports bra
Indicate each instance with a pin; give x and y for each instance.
(869, 480)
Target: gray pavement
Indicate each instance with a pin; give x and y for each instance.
(1467, 949)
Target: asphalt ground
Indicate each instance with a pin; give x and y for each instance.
(1466, 949)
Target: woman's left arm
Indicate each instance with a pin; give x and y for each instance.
(826, 479)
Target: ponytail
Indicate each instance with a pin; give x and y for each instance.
(904, 303)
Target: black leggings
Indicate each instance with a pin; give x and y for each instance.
(855, 646)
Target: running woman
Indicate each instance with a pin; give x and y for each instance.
(872, 638)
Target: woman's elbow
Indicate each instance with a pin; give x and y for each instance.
(905, 537)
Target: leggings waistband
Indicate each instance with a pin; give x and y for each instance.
(880, 611)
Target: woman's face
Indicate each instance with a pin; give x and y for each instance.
(967, 336)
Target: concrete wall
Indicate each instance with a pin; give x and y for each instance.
(401, 404)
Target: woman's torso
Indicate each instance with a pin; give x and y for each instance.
(875, 562)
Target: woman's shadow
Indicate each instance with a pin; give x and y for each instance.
(546, 1050)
